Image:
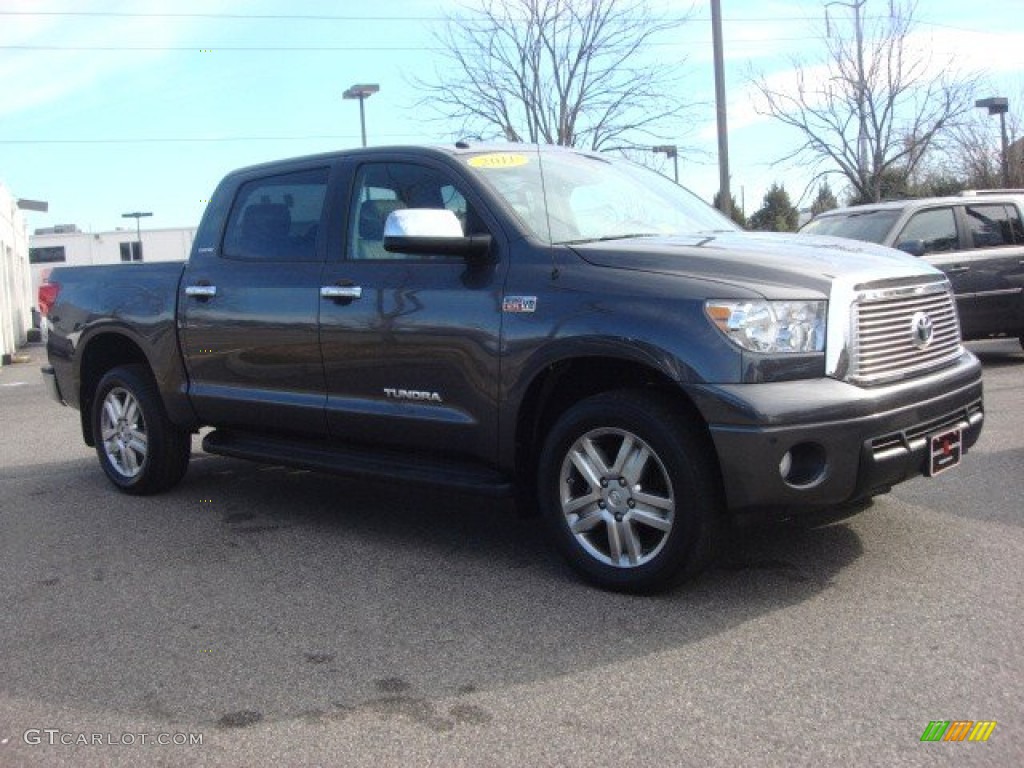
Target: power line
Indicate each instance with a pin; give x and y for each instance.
(333, 48)
(347, 17)
(195, 139)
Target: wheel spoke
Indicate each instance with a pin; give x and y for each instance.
(625, 448)
(598, 459)
(633, 548)
(588, 522)
(575, 505)
(112, 409)
(650, 500)
(651, 519)
(130, 463)
(633, 469)
(131, 410)
(139, 444)
(584, 465)
(614, 541)
(623, 543)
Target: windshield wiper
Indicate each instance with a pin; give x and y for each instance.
(606, 238)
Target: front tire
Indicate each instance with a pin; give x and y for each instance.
(628, 486)
(139, 448)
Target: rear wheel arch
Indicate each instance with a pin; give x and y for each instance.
(140, 450)
(103, 353)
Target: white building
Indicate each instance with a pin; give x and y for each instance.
(16, 296)
(66, 245)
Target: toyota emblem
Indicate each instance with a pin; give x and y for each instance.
(921, 330)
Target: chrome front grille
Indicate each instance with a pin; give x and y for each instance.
(903, 330)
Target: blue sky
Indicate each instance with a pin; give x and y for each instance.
(104, 113)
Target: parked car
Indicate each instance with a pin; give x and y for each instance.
(540, 320)
(976, 239)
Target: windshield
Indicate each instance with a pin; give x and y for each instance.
(570, 197)
(870, 225)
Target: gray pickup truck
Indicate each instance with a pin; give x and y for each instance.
(557, 324)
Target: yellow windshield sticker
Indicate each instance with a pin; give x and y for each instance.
(498, 160)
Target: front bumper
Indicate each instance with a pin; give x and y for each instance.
(52, 387)
(856, 442)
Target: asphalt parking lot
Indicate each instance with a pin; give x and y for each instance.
(293, 619)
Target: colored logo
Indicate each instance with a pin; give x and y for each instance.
(958, 730)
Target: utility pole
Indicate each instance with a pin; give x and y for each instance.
(724, 196)
(862, 138)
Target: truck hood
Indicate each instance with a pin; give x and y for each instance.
(781, 266)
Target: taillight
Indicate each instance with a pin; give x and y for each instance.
(48, 296)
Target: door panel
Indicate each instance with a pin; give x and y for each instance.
(413, 362)
(248, 312)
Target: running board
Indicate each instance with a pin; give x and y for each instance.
(420, 469)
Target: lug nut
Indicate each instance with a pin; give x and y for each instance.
(622, 482)
(631, 503)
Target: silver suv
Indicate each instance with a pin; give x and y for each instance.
(977, 239)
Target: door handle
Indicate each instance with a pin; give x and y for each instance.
(341, 292)
(958, 270)
(201, 291)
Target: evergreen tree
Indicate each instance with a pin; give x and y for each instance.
(777, 213)
(824, 201)
(737, 212)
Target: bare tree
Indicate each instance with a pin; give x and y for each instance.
(570, 72)
(876, 106)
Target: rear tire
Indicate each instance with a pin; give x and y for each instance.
(628, 486)
(139, 448)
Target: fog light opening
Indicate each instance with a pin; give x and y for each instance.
(803, 465)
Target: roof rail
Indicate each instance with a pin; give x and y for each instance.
(982, 192)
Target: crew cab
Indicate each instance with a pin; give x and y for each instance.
(557, 324)
(977, 240)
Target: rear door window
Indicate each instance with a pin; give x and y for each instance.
(277, 218)
(993, 225)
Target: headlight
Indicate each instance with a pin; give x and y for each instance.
(771, 327)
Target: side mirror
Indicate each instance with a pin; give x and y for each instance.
(432, 231)
(913, 247)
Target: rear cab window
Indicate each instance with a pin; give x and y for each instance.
(277, 218)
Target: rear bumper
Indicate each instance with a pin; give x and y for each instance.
(853, 442)
(52, 387)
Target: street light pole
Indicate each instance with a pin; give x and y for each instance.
(999, 105)
(138, 228)
(362, 92)
(670, 150)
